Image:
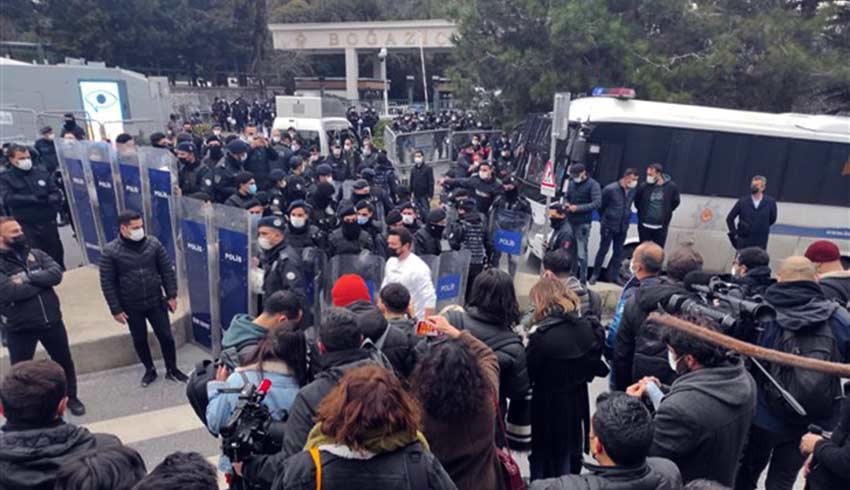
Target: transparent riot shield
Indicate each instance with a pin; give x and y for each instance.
(232, 232)
(433, 262)
(508, 229)
(347, 189)
(160, 185)
(313, 263)
(450, 284)
(130, 176)
(196, 241)
(99, 157)
(79, 192)
(367, 265)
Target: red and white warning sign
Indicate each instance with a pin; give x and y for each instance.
(547, 183)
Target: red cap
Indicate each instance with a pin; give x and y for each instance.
(823, 251)
(348, 289)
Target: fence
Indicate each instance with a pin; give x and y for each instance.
(23, 125)
(439, 146)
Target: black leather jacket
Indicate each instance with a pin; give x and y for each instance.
(136, 275)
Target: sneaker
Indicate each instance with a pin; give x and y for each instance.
(149, 377)
(76, 407)
(176, 375)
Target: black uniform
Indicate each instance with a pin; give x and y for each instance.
(195, 177)
(426, 241)
(47, 154)
(306, 236)
(260, 162)
(485, 190)
(224, 178)
(282, 272)
(33, 199)
(243, 202)
(340, 242)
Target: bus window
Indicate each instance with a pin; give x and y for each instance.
(687, 159)
(768, 157)
(727, 165)
(814, 174)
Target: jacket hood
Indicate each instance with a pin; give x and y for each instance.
(373, 445)
(799, 304)
(836, 275)
(654, 290)
(369, 318)
(760, 273)
(728, 383)
(37, 454)
(242, 329)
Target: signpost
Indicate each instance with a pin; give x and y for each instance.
(560, 130)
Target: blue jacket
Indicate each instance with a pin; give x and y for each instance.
(616, 207)
(753, 227)
(587, 197)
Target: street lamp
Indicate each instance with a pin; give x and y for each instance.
(382, 55)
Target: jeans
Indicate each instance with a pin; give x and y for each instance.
(158, 318)
(551, 465)
(512, 261)
(581, 234)
(607, 237)
(423, 203)
(54, 338)
(782, 451)
(658, 236)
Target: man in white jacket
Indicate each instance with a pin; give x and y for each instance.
(405, 268)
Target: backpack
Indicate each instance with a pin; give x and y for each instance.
(815, 391)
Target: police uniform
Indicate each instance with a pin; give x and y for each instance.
(281, 264)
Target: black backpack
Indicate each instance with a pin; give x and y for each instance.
(815, 391)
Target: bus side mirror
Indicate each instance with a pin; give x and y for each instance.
(578, 151)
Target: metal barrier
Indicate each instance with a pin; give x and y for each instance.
(18, 125)
(439, 146)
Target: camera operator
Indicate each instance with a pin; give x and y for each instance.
(701, 423)
(751, 270)
(809, 325)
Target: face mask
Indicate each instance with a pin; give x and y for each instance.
(217, 132)
(347, 148)
(264, 243)
(408, 219)
(362, 220)
(484, 175)
(556, 222)
(137, 234)
(511, 193)
(19, 243)
(734, 271)
(632, 184)
(215, 152)
(418, 161)
(437, 230)
(295, 148)
(578, 180)
(475, 142)
(755, 189)
(367, 151)
(292, 134)
(276, 139)
(25, 164)
(243, 157)
(650, 179)
(298, 222)
(314, 158)
(48, 137)
(350, 230)
(506, 154)
(674, 363)
(252, 189)
(632, 268)
(394, 252)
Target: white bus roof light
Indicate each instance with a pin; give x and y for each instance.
(621, 93)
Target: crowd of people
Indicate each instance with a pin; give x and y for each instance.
(383, 391)
(411, 121)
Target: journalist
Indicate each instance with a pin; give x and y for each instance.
(751, 270)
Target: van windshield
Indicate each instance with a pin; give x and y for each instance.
(309, 138)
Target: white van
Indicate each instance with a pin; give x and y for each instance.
(306, 115)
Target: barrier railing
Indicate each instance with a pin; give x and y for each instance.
(439, 146)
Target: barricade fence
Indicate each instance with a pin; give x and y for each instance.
(438, 146)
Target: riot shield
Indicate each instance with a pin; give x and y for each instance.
(347, 189)
(232, 232)
(130, 176)
(79, 192)
(508, 229)
(159, 183)
(433, 262)
(195, 241)
(100, 162)
(452, 274)
(367, 265)
(312, 262)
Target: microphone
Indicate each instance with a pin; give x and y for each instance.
(265, 385)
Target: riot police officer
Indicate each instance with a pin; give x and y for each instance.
(484, 184)
(349, 238)
(281, 264)
(224, 182)
(193, 176)
(341, 171)
(323, 212)
(300, 232)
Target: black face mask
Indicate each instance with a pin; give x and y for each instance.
(350, 230)
(556, 222)
(394, 252)
(185, 161)
(512, 194)
(216, 152)
(755, 189)
(436, 230)
(19, 243)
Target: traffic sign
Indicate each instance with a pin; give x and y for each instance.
(547, 184)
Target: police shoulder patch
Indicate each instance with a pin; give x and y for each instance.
(290, 276)
(42, 183)
(208, 182)
(278, 222)
(218, 179)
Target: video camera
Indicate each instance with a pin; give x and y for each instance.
(250, 430)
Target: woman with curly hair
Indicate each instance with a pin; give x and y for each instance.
(564, 354)
(366, 437)
(457, 383)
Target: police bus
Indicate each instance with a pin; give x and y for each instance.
(711, 155)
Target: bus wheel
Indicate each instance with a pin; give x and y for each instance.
(625, 272)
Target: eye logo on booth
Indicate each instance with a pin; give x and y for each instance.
(100, 100)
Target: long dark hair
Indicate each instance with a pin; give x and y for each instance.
(493, 293)
(449, 383)
(284, 343)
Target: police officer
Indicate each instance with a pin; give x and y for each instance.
(323, 206)
(214, 152)
(508, 200)
(262, 159)
(47, 151)
(31, 196)
(369, 155)
(300, 232)
(385, 176)
(562, 233)
(366, 220)
(341, 171)
(277, 198)
(245, 195)
(470, 233)
(193, 176)
(426, 241)
(349, 238)
(224, 173)
(484, 184)
(281, 264)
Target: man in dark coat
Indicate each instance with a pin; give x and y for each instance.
(72, 126)
(583, 198)
(829, 458)
(832, 278)
(422, 182)
(483, 184)
(655, 201)
(139, 282)
(427, 240)
(701, 423)
(350, 237)
(751, 270)
(755, 213)
(226, 169)
(36, 442)
(47, 150)
(615, 212)
(621, 436)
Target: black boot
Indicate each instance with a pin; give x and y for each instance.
(149, 377)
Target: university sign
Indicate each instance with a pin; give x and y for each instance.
(429, 34)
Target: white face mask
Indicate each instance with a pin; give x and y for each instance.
(418, 161)
(264, 243)
(137, 234)
(671, 359)
(367, 151)
(650, 179)
(337, 153)
(408, 219)
(347, 148)
(276, 139)
(632, 268)
(734, 270)
(25, 164)
(298, 222)
(484, 175)
(578, 180)
(48, 137)
(217, 132)
(632, 184)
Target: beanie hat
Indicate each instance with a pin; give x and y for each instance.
(348, 289)
(823, 251)
(436, 215)
(238, 146)
(186, 146)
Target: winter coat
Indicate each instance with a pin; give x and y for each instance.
(836, 286)
(339, 244)
(30, 196)
(564, 354)
(135, 276)
(243, 336)
(237, 200)
(638, 350)
(753, 227)
(422, 181)
(224, 178)
(587, 197)
(670, 200)
(195, 178)
(470, 233)
(615, 209)
(702, 423)
(485, 191)
(831, 463)
(259, 163)
(283, 271)
(399, 345)
(425, 243)
(31, 458)
(655, 474)
(466, 448)
(757, 280)
(562, 238)
(308, 236)
(47, 155)
(33, 304)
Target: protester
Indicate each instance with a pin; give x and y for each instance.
(701, 422)
(563, 354)
(615, 212)
(139, 283)
(809, 325)
(621, 433)
(35, 441)
(755, 214)
(559, 264)
(245, 195)
(366, 436)
(183, 471)
(457, 416)
(113, 468)
(30, 308)
(655, 200)
(394, 303)
(71, 125)
(350, 238)
(583, 198)
(832, 278)
(422, 182)
(407, 269)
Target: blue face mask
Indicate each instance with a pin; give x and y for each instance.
(252, 189)
(362, 220)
